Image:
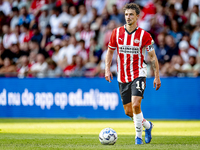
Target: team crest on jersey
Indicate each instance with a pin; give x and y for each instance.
(128, 49)
(137, 41)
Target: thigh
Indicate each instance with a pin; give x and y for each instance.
(138, 86)
(125, 92)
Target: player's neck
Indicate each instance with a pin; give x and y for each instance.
(131, 28)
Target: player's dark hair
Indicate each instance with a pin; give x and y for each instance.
(132, 6)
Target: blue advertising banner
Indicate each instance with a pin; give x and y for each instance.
(178, 98)
(60, 98)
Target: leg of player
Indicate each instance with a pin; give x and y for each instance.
(138, 118)
(129, 112)
(140, 121)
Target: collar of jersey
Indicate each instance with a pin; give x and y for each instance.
(129, 32)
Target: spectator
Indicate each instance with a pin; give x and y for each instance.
(195, 17)
(148, 11)
(55, 21)
(34, 46)
(15, 18)
(174, 68)
(94, 15)
(36, 6)
(8, 37)
(5, 7)
(43, 19)
(8, 69)
(86, 34)
(116, 16)
(185, 51)
(16, 52)
(173, 15)
(32, 58)
(53, 69)
(190, 67)
(4, 52)
(24, 47)
(175, 31)
(66, 53)
(47, 40)
(26, 34)
(195, 35)
(66, 35)
(75, 17)
(161, 49)
(56, 47)
(79, 69)
(23, 70)
(95, 52)
(197, 67)
(186, 37)
(39, 69)
(85, 16)
(3, 21)
(25, 17)
(82, 52)
(157, 21)
(16, 31)
(105, 17)
(65, 16)
(37, 36)
(107, 33)
(173, 47)
(70, 68)
(98, 5)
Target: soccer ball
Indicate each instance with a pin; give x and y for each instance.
(108, 136)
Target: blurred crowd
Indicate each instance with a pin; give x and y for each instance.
(67, 38)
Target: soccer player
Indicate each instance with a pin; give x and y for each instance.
(131, 42)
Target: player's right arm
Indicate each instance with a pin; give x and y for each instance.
(111, 48)
(108, 62)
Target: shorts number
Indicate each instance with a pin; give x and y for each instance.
(138, 85)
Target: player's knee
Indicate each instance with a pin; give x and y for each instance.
(129, 113)
(136, 106)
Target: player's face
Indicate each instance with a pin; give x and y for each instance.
(131, 16)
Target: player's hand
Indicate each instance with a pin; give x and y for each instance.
(157, 83)
(108, 75)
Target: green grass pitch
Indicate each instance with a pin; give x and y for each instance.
(36, 134)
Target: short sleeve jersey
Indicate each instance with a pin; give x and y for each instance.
(131, 49)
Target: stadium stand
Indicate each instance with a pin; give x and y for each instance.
(66, 38)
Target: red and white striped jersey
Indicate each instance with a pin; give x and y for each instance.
(131, 52)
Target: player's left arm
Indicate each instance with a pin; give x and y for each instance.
(155, 66)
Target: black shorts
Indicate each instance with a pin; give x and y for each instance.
(134, 88)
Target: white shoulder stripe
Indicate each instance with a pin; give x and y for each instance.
(111, 47)
(117, 35)
(131, 65)
(139, 63)
(125, 58)
(118, 59)
(141, 36)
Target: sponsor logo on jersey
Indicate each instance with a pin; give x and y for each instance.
(128, 49)
(137, 41)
